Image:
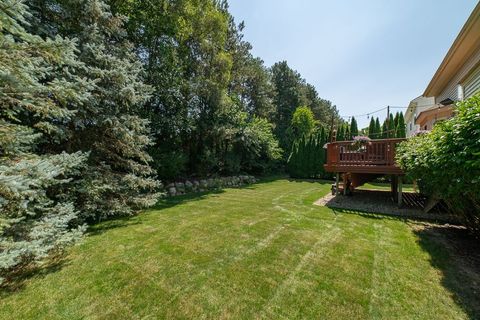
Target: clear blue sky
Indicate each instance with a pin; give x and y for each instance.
(361, 55)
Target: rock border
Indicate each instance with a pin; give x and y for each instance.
(190, 186)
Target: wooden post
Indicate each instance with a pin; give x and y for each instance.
(337, 184)
(344, 184)
(393, 186)
(400, 195)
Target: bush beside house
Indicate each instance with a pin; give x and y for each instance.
(446, 162)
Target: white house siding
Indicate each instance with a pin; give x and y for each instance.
(472, 84)
(451, 90)
(416, 106)
(412, 128)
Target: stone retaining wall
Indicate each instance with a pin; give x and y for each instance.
(192, 186)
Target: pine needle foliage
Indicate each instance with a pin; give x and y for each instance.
(371, 129)
(308, 156)
(118, 179)
(38, 87)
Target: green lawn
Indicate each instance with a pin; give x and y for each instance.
(261, 252)
(385, 186)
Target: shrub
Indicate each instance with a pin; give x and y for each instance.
(308, 157)
(446, 161)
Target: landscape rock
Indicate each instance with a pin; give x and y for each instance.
(188, 186)
(203, 185)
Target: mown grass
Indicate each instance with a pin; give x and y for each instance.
(260, 252)
(385, 186)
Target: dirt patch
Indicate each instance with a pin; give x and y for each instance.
(381, 202)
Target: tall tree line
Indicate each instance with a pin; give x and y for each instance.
(209, 88)
(393, 128)
(102, 99)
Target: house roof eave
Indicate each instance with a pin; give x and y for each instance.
(467, 41)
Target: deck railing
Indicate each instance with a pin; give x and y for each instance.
(375, 153)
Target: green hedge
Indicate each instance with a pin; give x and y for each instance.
(446, 161)
(308, 156)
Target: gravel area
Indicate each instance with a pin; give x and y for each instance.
(381, 202)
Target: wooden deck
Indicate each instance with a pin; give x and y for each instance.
(378, 157)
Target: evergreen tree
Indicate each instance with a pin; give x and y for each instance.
(401, 128)
(308, 157)
(39, 81)
(391, 127)
(371, 129)
(341, 133)
(347, 133)
(292, 160)
(321, 159)
(353, 128)
(118, 178)
(302, 155)
(378, 129)
(311, 155)
(385, 130)
(395, 124)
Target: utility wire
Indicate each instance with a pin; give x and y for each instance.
(372, 112)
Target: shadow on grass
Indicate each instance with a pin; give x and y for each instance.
(320, 181)
(169, 202)
(16, 281)
(452, 250)
(456, 254)
(113, 223)
(388, 216)
(369, 215)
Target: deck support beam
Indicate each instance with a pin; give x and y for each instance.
(394, 186)
(337, 184)
(400, 192)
